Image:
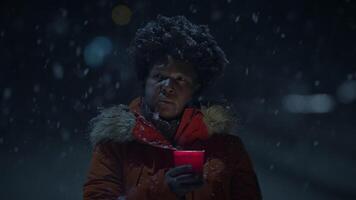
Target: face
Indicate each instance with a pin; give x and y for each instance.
(169, 86)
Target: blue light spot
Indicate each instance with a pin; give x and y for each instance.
(97, 50)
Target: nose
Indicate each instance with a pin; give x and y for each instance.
(168, 86)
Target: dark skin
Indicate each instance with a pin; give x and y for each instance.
(169, 86)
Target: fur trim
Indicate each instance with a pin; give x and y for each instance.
(218, 119)
(117, 123)
(113, 123)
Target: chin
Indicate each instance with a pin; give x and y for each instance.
(167, 116)
(168, 111)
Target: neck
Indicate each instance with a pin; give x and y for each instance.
(166, 127)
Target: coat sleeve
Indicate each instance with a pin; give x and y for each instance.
(244, 181)
(104, 177)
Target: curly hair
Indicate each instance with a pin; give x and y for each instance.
(179, 38)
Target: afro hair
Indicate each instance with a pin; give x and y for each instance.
(179, 38)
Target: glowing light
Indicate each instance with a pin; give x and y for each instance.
(96, 51)
(346, 92)
(7, 93)
(57, 70)
(317, 103)
(121, 15)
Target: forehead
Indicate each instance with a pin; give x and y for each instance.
(170, 65)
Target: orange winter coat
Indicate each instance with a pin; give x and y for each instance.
(131, 156)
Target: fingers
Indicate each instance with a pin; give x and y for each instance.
(193, 182)
(183, 169)
(192, 186)
(188, 178)
(189, 181)
(185, 187)
(182, 179)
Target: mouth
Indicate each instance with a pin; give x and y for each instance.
(165, 101)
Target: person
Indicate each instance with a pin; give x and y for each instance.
(132, 158)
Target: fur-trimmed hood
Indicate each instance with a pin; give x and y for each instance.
(117, 122)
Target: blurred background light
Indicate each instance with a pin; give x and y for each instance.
(316, 103)
(57, 70)
(97, 50)
(346, 92)
(7, 93)
(121, 15)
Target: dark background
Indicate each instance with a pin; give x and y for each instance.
(291, 77)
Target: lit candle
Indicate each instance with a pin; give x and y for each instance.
(192, 157)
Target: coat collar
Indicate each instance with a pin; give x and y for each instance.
(123, 123)
(190, 129)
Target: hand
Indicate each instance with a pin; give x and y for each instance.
(182, 180)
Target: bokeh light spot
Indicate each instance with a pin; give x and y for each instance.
(97, 50)
(347, 91)
(316, 103)
(121, 15)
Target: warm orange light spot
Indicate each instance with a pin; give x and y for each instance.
(121, 15)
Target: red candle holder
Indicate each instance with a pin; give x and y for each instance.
(192, 157)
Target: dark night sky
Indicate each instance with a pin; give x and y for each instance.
(291, 79)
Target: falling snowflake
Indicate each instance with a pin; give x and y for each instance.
(255, 18)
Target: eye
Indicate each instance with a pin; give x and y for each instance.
(158, 76)
(180, 78)
(184, 79)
